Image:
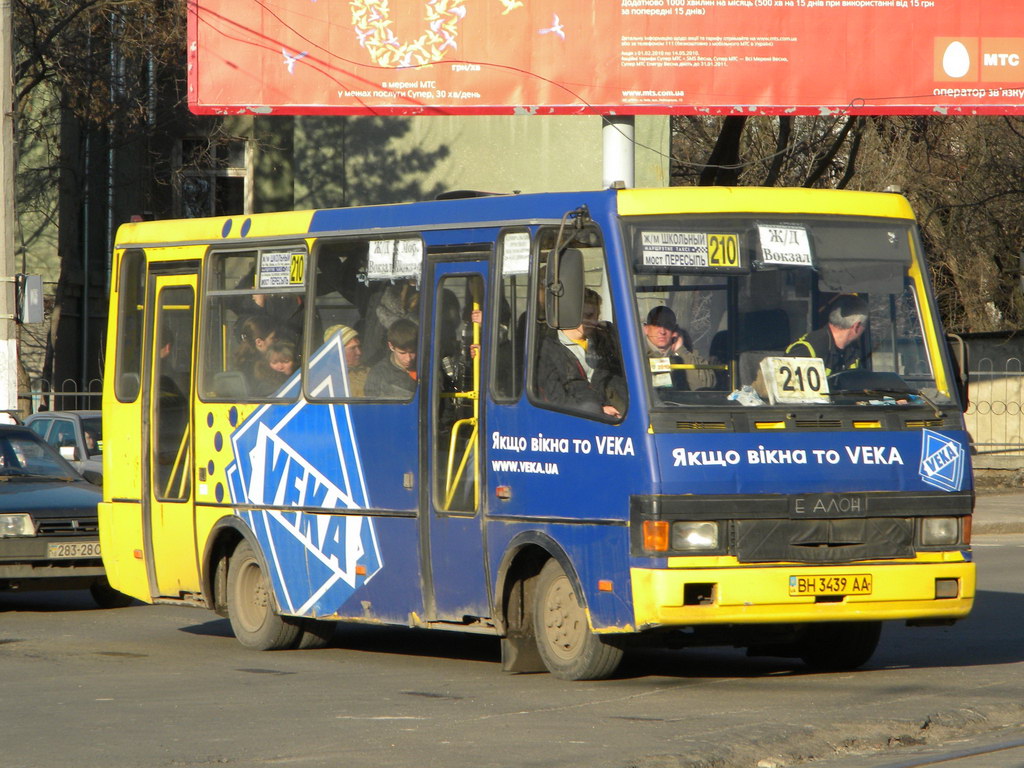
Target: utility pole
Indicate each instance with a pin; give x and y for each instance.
(8, 343)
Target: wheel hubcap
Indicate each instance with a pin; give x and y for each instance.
(563, 619)
(254, 601)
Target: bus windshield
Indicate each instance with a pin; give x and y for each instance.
(758, 311)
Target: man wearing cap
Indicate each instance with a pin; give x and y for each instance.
(353, 350)
(836, 342)
(666, 346)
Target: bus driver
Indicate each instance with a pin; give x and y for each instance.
(836, 342)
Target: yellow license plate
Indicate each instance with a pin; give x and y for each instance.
(813, 586)
(70, 549)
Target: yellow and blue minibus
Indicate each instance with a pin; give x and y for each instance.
(579, 422)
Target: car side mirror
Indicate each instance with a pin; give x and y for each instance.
(69, 452)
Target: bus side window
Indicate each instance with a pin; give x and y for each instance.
(356, 312)
(580, 369)
(132, 308)
(510, 340)
(252, 337)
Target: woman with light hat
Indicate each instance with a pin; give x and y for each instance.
(353, 350)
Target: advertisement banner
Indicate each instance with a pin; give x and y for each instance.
(605, 56)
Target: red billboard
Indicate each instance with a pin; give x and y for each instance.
(606, 56)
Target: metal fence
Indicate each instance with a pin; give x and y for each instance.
(67, 395)
(995, 417)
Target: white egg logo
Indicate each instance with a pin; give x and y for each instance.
(956, 61)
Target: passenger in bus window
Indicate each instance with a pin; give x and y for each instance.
(353, 352)
(278, 363)
(284, 309)
(395, 375)
(603, 349)
(666, 340)
(171, 379)
(566, 378)
(387, 305)
(255, 335)
(836, 343)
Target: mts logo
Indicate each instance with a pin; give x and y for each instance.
(1001, 59)
(978, 59)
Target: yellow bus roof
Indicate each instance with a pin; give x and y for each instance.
(638, 202)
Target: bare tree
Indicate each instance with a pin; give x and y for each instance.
(93, 79)
(963, 175)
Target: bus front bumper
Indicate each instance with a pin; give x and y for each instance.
(800, 593)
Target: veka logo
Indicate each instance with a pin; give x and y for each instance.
(295, 455)
(942, 461)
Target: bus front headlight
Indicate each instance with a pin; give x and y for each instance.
(17, 525)
(691, 536)
(939, 531)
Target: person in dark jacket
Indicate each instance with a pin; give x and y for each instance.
(837, 342)
(566, 378)
(395, 376)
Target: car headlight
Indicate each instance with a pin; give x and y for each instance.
(938, 531)
(17, 525)
(694, 536)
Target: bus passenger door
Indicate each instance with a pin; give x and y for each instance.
(168, 504)
(457, 581)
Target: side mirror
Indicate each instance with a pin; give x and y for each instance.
(69, 452)
(959, 354)
(563, 294)
(93, 477)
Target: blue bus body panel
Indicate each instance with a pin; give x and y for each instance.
(470, 210)
(776, 462)
(570, 480)
(332, 456)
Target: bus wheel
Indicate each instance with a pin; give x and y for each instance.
(315, 634)
(840, 646)
(566, 644)
(108, 597)
(250, 607)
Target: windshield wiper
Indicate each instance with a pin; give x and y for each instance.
(893, 393)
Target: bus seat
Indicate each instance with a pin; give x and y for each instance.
(750, 363)
(764, 332)
(230, 384)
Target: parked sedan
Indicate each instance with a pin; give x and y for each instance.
(77, 435)
(49, 534)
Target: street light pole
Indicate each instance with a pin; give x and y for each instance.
(8, 344)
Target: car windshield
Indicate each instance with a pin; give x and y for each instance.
(22, 454)
(795, 311)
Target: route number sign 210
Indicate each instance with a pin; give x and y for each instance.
(795, 379)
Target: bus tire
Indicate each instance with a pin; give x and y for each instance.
(250, 605)
(839, 646)
(569, 649)
(108, 597)
(315, 634)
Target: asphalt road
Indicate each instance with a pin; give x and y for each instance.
(163, 686)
